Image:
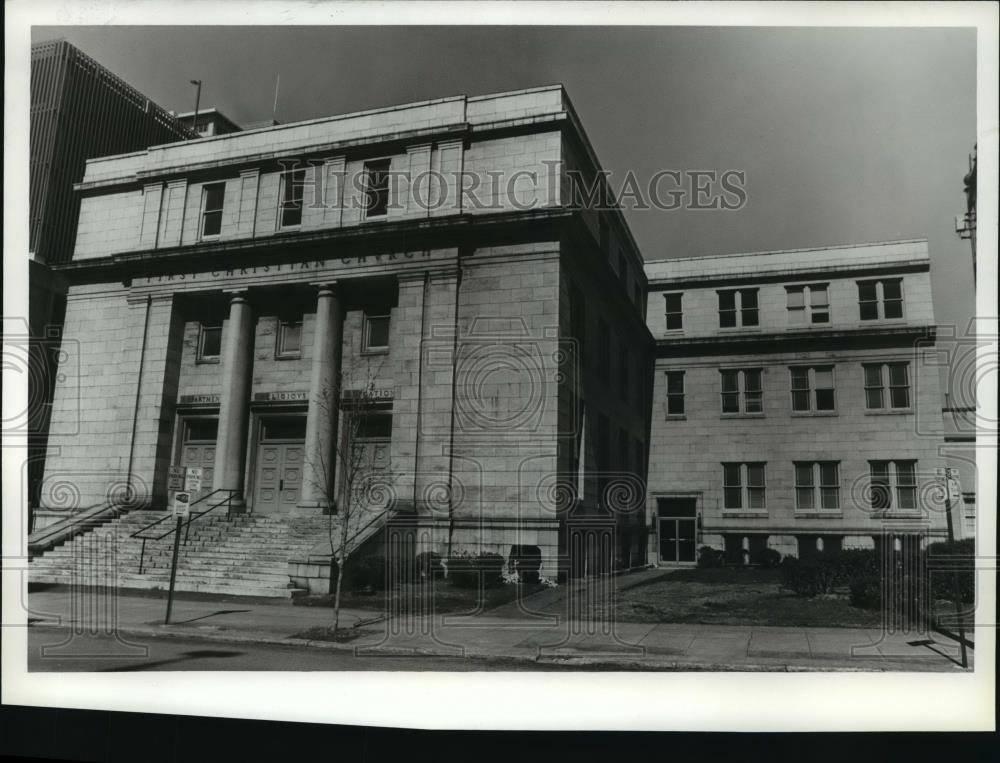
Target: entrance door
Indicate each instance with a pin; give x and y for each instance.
(280, 456)
(677, 518)
(198, 449)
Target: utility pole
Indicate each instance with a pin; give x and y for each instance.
(197, 104)
(965, 225)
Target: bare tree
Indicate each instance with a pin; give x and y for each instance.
(354, 481)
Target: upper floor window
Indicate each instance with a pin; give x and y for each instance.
(812, 388)
(675, 313)
(737, 308)
(808, 304)
(675, 393)
(887, 385)
(209, 342)
(290, 208)
(212, 196)
(881, 299)
(289, 338)
(376, 333)
(377, 188)
(741, 391)
(817, 485)
(893, 483)
(743, 485)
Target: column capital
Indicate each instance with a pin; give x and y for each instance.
(330, 286)
(237, 295)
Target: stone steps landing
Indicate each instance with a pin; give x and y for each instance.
(244, 555)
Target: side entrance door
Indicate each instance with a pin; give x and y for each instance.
(677, 518)
(280, 457)
(198, 449)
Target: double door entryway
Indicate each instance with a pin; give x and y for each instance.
(677, 528)
(278, 458)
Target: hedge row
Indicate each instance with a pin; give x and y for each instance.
(462, 570)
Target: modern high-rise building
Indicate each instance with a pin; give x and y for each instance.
(79, 110)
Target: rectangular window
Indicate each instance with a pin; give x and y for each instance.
(376, 333)
(738, 308)
(742, 391)
(808, 304)
(209, 342)
(289, 339)
(887, 385)
(881, 299)
(744, 486)
(376, 188)
(290, 209)
(212, 196)
(812, 388)
(675, 393)
(675, 315)
(893, 483)
(817, 485)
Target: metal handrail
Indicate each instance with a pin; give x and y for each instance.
(194, 517)
(69, 524)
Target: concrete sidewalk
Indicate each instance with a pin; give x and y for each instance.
(516, 635)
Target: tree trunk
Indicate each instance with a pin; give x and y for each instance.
(336, 598)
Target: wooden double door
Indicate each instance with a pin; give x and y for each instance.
(280, 464)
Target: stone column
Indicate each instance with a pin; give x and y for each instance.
(237, 355)
(324, 394)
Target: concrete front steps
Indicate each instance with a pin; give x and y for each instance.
(242, 556)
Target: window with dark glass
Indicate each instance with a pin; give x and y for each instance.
(742, 391)
(893, 484)
(290, 208)
(817, 485)
(813, 388)
(880, 299)
(209, 342)
(376, 333)
(675, 315)
(738, 308)
(377, 188)
(887, 385)
(743, 485)
(675, 393)
(212, 196)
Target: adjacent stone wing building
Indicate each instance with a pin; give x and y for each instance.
(796, 401)
(236, 299)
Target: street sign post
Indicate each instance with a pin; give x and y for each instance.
(952, 492)
(181, 506)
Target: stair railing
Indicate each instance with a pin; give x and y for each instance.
(193, 517)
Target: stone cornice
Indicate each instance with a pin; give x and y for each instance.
(785, 341)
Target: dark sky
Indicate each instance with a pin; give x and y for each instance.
(845, 135)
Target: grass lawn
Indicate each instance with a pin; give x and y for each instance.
(735, 596)
(447, 599)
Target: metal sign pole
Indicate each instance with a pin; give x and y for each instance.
(956, 585)
(173, 569)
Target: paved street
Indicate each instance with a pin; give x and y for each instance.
(108, 654)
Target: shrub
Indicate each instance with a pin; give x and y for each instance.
(769, 558)
(470, 571)
(942, 571)
(866, 591)
(807, 577)
(709, 557)
(365, 571)
(427, 564)
(525, 562)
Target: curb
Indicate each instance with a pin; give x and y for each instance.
(569, 660)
